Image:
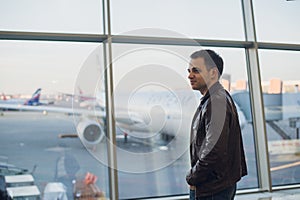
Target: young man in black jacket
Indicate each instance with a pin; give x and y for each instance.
(216, 150)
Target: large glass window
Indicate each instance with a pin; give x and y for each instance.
(280, 83)
(52, 95)
(67, 16)
(197, 19)
(277, 21)
(51, 121)
(154, 106)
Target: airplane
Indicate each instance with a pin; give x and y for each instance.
(85, 101)
(164, 112)
(141, 115)
(33, 101)
(81, 97)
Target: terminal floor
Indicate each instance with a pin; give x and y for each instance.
(287, 194)
(290, 194)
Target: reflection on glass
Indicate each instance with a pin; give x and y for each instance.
(48, 100)
(281, 97)
(154, 104)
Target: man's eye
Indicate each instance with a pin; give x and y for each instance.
(194, 70)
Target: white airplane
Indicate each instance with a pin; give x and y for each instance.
(141, 115)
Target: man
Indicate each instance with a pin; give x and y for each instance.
(216, 151)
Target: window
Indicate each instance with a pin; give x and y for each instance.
(153, 100)
(281, 98)
(197, 19)
(153, 94)
(44, 105)
(277, 21)
(52, 16)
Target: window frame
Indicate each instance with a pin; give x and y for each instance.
(250, 45)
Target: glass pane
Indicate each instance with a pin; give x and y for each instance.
(154, 106)
(68, 16)
(280, 83)
(51, 126)
(277, 21)
(197, 19)
(235, 80)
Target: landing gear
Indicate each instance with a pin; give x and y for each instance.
(166, 137)
(125, 137)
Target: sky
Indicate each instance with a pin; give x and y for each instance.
(55, 66)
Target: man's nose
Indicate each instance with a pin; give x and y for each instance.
(191, 75)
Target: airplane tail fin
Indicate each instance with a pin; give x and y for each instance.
(80, 91)
(3, 97)
(35, 99)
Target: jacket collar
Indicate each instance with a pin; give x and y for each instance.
(213, 89)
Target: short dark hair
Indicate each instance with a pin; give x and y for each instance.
(211, 59)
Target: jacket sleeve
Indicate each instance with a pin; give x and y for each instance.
(213, 149)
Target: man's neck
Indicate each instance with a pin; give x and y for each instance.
(205, 90)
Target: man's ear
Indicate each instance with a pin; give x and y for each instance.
(214, 73)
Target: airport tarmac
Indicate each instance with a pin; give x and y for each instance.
(31, 138)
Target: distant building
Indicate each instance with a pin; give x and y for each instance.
(226, 81)
(241, 84)
(275, 86)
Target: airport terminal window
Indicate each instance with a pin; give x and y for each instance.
(280, 84)
(154, 105)
(57, 16)
(49, 97)
(277, 21)
(196, 19)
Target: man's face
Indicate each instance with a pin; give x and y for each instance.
(198, 74)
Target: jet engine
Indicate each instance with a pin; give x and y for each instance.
(90, 132)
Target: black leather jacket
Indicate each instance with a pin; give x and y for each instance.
(217, 154)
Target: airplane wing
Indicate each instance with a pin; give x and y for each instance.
(64, 110)
(132, 119)
(121, 117)
(89, 130)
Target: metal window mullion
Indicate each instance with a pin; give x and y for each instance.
(110, 120)
(54, 37)
(260, 138)
(278, 46)
(99, 38)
